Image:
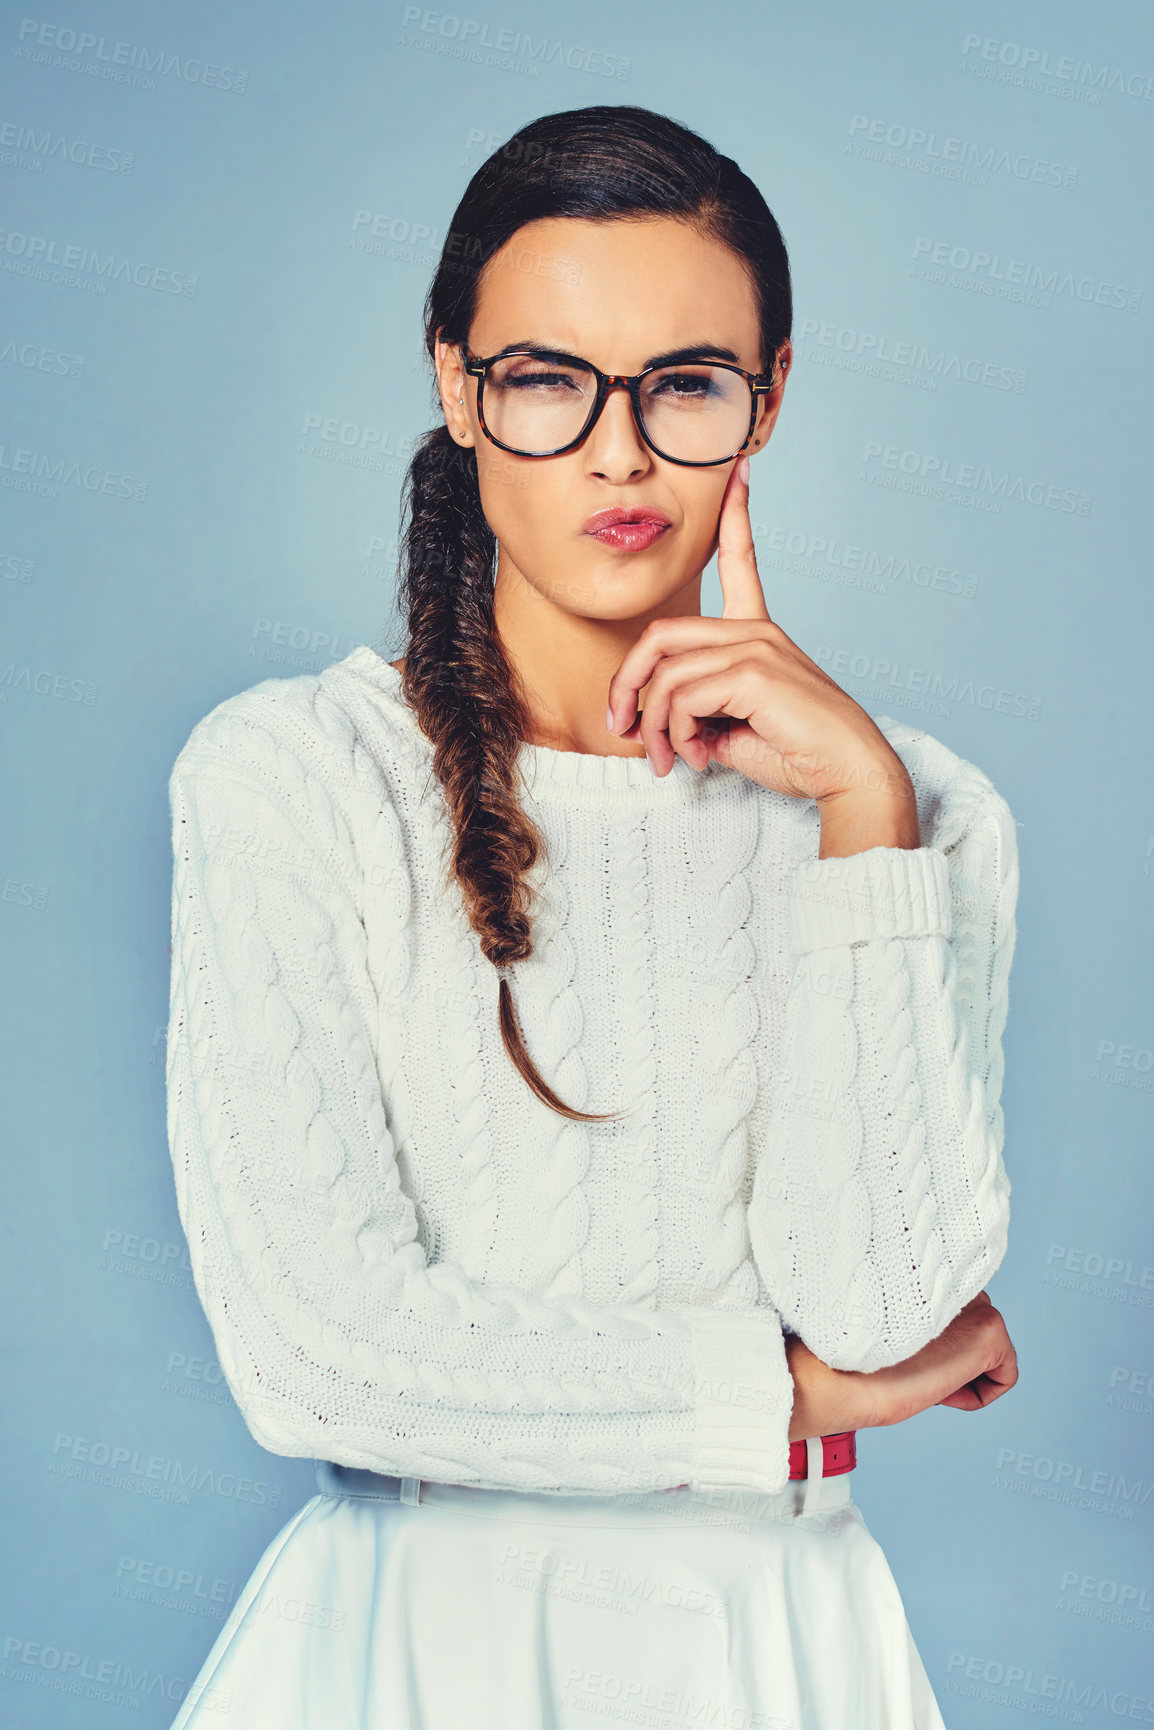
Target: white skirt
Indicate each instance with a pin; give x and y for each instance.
(402, 1604)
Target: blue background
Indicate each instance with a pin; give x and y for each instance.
(953, 518)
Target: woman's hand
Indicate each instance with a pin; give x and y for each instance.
(970, 1364)
(738, 690)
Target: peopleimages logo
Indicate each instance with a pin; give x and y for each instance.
(1040, 63)
(989, 268)
(43, 474)
(917, 357)
(46, 146)
(41, 256)
(126, 1466)
(472, 34)
(1000, 1682)
(930, 152)
(918, 687)
(973, 478)
(86, 1674)
(809, 553)
(101, 57)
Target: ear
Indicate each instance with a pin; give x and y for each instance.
(769, 405)
(453, 384)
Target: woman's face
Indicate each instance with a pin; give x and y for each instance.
(617, 294)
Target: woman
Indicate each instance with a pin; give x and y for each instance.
(584, 1122)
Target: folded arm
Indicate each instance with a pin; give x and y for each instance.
(881, 1202)
(337, 1337)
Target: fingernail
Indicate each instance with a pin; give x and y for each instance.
(743, 470)
(609, 720)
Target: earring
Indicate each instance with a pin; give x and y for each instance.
(460, 399)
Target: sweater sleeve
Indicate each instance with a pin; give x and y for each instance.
(881, 1204)
(338, 1338)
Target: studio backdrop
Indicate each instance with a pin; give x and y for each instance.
(218, 229)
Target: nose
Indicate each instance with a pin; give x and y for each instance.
(614, 447)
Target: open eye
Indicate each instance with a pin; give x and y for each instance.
(685, 385)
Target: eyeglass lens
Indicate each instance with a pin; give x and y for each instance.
(695, 413)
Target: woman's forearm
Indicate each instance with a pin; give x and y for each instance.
(971, 1363)
(825, 1401)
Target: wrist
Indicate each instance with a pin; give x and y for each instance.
(854, 819)
(826, 1401)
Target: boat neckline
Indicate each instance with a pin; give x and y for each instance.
(580, 775)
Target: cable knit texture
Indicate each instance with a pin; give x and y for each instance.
(408, 1262)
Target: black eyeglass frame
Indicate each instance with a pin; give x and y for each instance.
(478, 368)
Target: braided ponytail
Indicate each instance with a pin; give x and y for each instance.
(464, 693)
(597, 163)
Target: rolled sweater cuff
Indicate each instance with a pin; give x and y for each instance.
(743, 1395)
(882, 892)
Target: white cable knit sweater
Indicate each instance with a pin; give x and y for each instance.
(408, 1262)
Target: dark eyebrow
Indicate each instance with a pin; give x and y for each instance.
(698, 351)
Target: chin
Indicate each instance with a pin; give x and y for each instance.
(625, 598)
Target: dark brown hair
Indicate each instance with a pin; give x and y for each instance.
(598, 163)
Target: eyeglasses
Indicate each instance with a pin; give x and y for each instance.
(541, 403)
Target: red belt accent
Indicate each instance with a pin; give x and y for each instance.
(839, 1454)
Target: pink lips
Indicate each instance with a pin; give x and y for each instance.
(630, 530)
